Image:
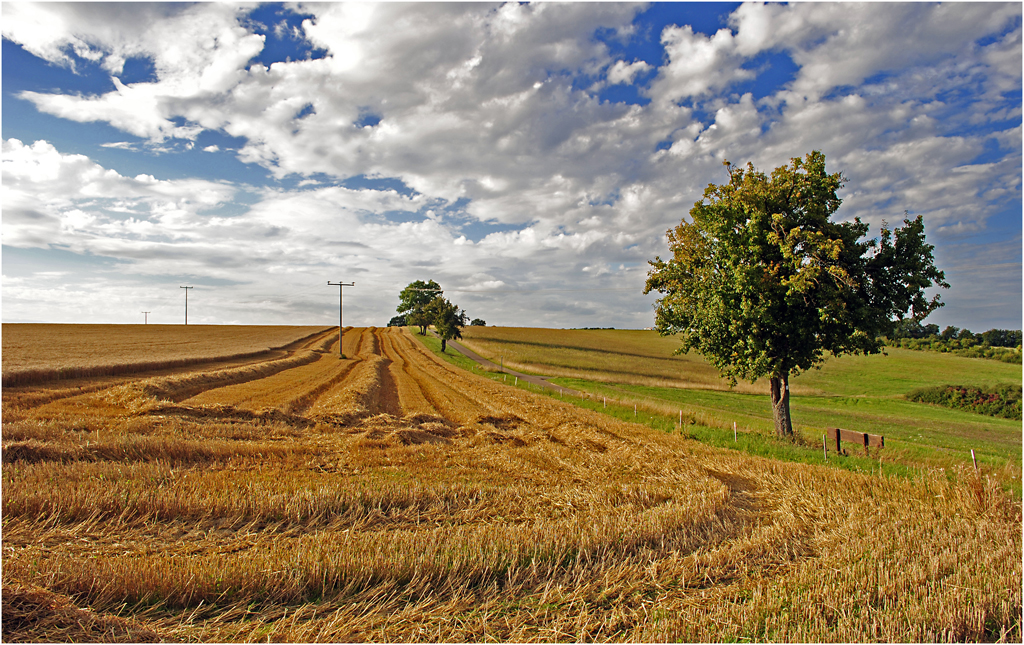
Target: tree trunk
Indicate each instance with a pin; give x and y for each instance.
(780, 406)
(443, 343)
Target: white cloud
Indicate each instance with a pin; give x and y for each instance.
(483, 105)
(52, 198)
(838, 44)
(698, 64)
(625, 73)
(198, 52)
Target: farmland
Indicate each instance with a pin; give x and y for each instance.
(40, 353)
(863, 393)
(390, 495)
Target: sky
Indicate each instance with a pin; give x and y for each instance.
(528, 157)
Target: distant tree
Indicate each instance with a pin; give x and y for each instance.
(950, 332)
(397, 321)
(1001, 337)
(413, 300)
(447, 319)
(763, 284)
(478, 322)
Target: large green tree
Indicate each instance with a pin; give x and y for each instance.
(447, 319)
(413, 300)
(763, 283)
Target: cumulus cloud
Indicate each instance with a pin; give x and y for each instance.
(491, 117)
(623, 72)
(198, 51)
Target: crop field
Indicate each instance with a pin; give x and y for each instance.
(861, 393)
(393, 496)
(40, 353)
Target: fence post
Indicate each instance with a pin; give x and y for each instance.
(824, 446)
(975, 460)
(734, 432)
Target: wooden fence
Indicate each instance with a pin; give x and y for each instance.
(835, 436)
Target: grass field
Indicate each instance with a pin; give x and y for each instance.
(391, 495)
(861, 393)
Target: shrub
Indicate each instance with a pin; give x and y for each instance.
(1003, 400)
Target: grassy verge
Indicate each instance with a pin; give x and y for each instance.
(916, 434)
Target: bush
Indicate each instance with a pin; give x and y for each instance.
(1004, 354)
(967, 347)
(1001, 401)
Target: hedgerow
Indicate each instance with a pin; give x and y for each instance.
(1003, 400)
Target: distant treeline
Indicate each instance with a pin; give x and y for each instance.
(998, 344)
(1000, 401)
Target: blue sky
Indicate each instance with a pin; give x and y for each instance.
(529, 158)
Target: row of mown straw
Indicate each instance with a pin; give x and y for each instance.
(532, 521)
(63, 373)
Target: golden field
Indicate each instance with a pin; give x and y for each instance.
(37, 353)
(392, 496)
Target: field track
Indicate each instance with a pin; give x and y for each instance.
(388, 495)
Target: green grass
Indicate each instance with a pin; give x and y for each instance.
(916, 434)
(859, 393)
(899, 371)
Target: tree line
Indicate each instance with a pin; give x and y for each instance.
(992, 338)
(421, 304)
(997, 344)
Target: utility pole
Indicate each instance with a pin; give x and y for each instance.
(341, 288)
(149, 312)
(186, 302)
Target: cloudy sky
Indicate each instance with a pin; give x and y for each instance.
(529, 158)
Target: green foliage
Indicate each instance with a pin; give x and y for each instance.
(1001, 338)
(397, 321)
(1004, 354)
(763, 284)
(478, 322)
(447, 319)
(414, 299)
(996, 344)
(1000, 401)
(967, 348)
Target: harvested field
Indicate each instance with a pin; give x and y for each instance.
(41, 353)
(392, 496)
